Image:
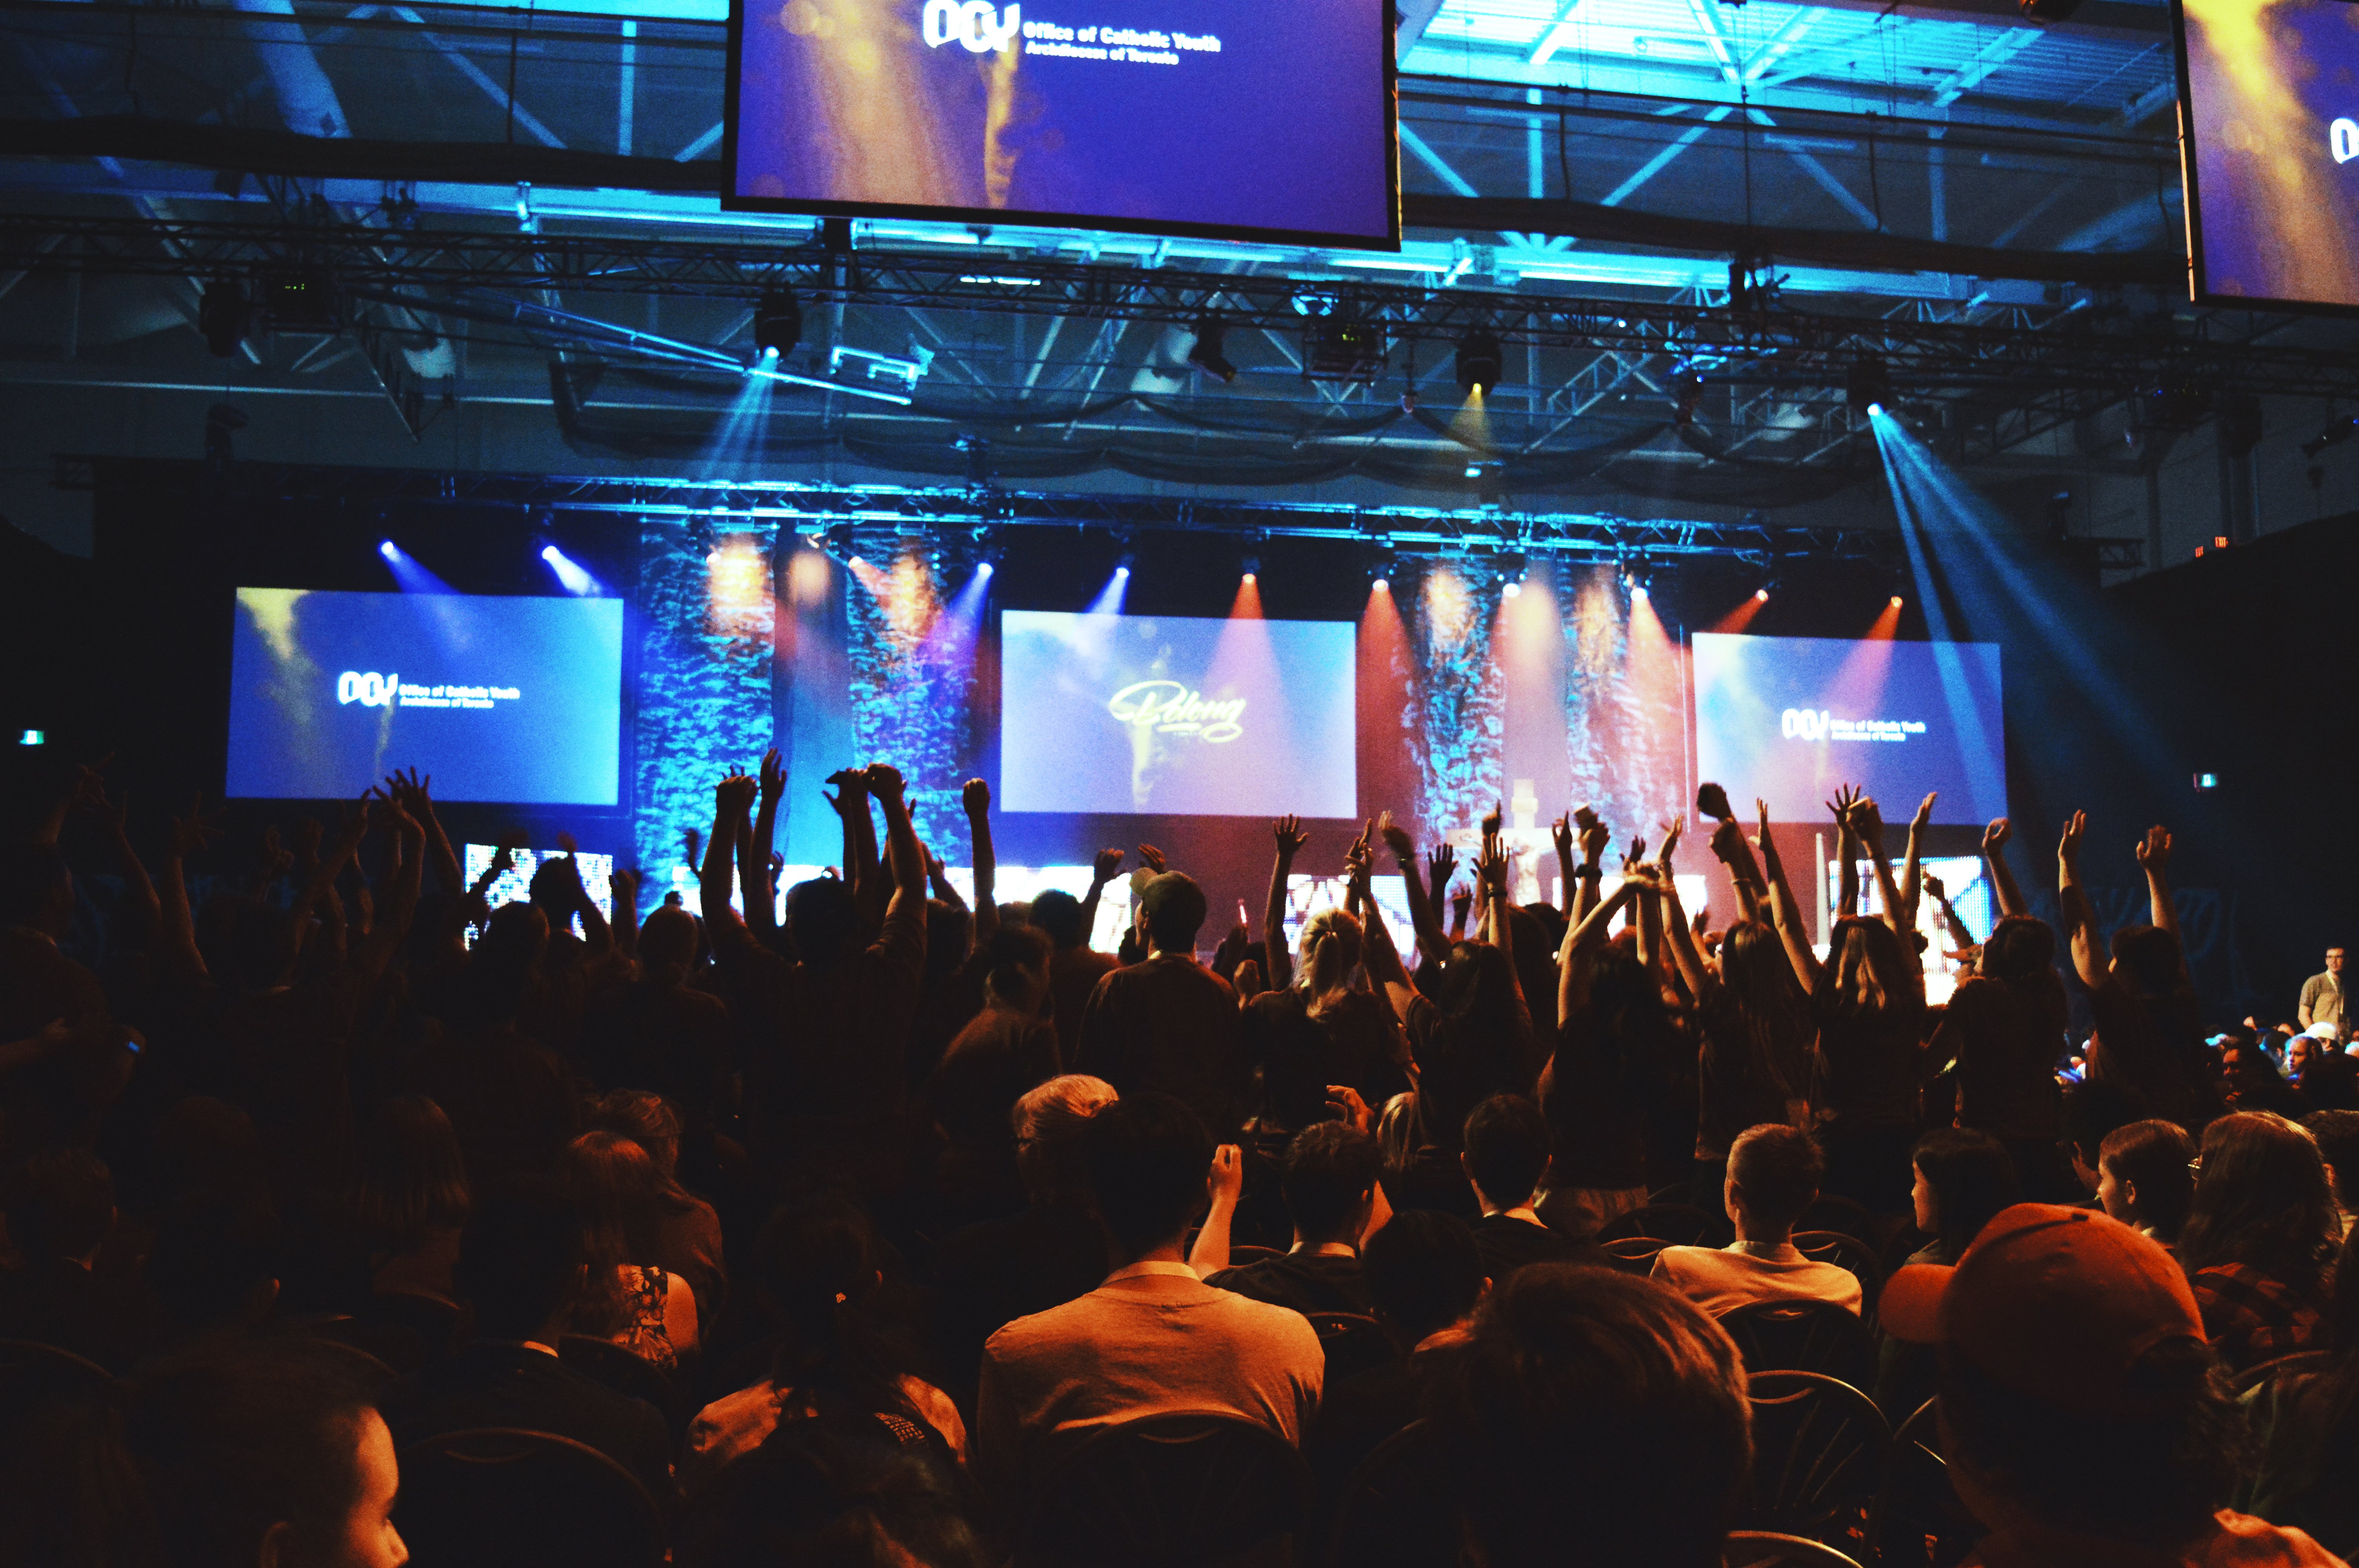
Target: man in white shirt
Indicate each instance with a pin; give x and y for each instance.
(1773, 1176)
(1153, 1337)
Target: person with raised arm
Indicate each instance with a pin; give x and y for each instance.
(2148, 1041)
(1753, 1027)
(760, 892)
(1074, 968)
(1167, 1022)
(2004, 890)
(1869, 1001)
(1324, 1026)
(1609, 1066)
(1846, 801)
(1278, 968)
(1424, 908)
(1911, 870)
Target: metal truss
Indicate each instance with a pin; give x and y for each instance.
(2018, 357)
(814, 508)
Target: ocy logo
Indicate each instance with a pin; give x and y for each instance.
(368, 689)
(977, 23)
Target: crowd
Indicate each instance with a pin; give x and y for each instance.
(855, 1237)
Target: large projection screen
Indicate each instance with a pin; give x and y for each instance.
(1787, 719)
(1159, 715)
(1234, 119)
(2269, 147)
(513, 699)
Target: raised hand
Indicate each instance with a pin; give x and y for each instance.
(1441, 862)
(1152, 857)
(1107, 863)
(1561, 835)
(1396, 838)
(1995, 837)
(1672, 832)
(1462, 901)
(773, 775)
(1924, 812)
(1344, 1103)
(1846, 801)
(567, 844)
(2068, 847)
(1491, 865)
(1934, 890)
(1867, 822)
(1288, 831)
(975, 796)
(623, 887)
(196, 831)
(733, 794)
(2154, 852)
(1728, 840)
(1634, 856)
(852, 781)
(1594, 836)
(1228, 1173)
(884, 781)
(1493, 818)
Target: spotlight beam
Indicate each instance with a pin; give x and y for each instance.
(848, 389)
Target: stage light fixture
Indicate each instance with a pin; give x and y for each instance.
(576, 579)
(1760, 596)
(1380, 585)
(388, 549)
(1206, 354)
(1898, 601)
(1478, 362)
(777, 324)
(1868, 386)
(1687, 393)
(2335, 435)
(1341, 348)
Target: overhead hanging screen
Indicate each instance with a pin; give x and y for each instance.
(1239, 119)
(2269, 121)
(1170, 716)
(509, 699)
(1788, 720)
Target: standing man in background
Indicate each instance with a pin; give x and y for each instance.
(2321, 997)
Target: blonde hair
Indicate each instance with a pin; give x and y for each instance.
(1331, 943)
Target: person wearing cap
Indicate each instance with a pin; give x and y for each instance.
(2085, 1421)
(2321, 995)
(1169, 1024)
(1773, 1176)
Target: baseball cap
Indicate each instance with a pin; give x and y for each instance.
(2055, 1303)
(1177, 892)
(2322, 1031)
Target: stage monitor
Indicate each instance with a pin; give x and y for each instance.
(516, 700)
(1232, 119)
(1165, 716)
(1787, 719)
(2268, 105)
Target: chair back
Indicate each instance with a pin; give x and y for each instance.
(392, 1346)
(1243, 1253)
(33, 1373)
(1354, 1341)
(434, 1320)
(2298, 1361)
(1767, 1549)
(1818, 1457)
(1848, 1252)
(1803, 1336)
(500, 1498)
(1832, 1211)
(1179, 1489)
(630, 1375)
(1398, 1510)
(1917, 1521)
(1633, 1254)
(1674, 1224)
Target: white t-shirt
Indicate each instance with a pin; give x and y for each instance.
(1721, 1280)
